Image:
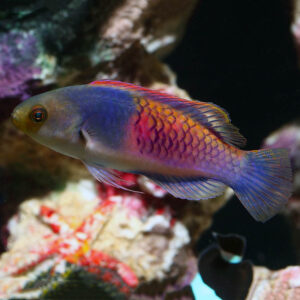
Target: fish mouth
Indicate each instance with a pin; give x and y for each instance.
(15, 118)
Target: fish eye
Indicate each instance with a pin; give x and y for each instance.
(38, 114)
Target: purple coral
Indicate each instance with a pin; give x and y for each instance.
(17, 63)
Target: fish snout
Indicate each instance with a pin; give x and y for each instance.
(14, 118)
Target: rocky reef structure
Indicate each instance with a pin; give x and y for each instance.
(275, 285)
(111, 236)
(80, 41)
(59, 227)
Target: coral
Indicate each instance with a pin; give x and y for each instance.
(275, 285)
(108, 236)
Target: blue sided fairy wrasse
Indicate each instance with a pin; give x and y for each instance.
(189, 148)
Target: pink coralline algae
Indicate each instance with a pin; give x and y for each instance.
(275, 285)
(18, 53)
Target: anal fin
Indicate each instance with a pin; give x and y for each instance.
(191, 188)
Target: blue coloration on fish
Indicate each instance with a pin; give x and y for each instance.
(106, 109)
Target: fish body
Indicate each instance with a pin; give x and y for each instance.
(189, 148)
(172, 142)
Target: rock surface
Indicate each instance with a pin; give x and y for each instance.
(275, 285)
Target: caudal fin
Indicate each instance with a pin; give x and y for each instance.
(265, 184)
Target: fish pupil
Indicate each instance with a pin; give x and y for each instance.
(38, 114)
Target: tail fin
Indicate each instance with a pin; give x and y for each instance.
(265, 184)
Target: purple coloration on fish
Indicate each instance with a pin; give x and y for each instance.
(189, 148)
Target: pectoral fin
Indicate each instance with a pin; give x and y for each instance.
(100, 130)
(89, 136)
(107, 176)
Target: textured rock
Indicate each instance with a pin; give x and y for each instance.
(19, 52)
(82, 40)
(275, 285)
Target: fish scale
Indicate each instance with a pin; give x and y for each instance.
(165, 134)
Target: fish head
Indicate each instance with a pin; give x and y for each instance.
(52, 119)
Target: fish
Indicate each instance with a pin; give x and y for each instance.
(188, 147)
(222, 268)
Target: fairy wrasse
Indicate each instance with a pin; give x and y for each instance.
(189, 148)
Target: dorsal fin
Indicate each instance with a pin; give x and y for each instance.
(217, 119)
(208, 114)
